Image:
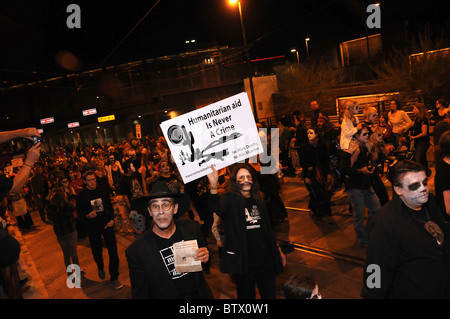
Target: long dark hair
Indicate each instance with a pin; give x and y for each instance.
(234, 184)
(58, 198)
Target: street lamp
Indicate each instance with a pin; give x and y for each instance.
(307, 47)
(296, 51)
(252, 92)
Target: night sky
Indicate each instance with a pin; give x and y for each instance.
(32, 32)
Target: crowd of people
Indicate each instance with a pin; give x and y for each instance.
(134, 188)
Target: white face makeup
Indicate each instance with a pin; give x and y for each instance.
(245, 180)
(364, 136)
(373, 117)
(162, 211)
(414, 190)
(311, 135)
(355, 109)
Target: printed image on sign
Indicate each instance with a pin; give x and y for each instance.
(222, 133)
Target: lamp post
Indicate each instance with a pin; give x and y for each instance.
(296, 51)
(307, 47)
(252, 92)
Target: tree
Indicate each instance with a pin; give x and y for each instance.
(423, 70)
(302, 83)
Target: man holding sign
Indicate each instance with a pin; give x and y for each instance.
(151, 258)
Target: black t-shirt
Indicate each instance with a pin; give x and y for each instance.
(98, 200)
(416, 129)
(185, 282)
(256, 241)
(442, 184)
(5, 185)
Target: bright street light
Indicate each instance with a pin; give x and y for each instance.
(296, 51)
(252, 92)
(307, 47)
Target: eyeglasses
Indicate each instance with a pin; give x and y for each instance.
(166, 206)
(415, 186)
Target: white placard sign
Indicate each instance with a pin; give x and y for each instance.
(222, 133)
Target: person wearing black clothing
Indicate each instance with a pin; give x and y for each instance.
(132, 167)
(95, 208)
(358, 186)
(250, 250)
(60, 212)
(166, 173)
(440, 112)
(39, 185)
(153, 274)
(440, 128)
(442, 176)
(419, 133)
(315, 161)
(408, 242)
(301, 137)
(316, 112)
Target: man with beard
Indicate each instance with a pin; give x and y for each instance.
(250, 251)
(408, 253)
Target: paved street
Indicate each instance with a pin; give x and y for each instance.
(329, 252)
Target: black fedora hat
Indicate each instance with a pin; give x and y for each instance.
(160, 189)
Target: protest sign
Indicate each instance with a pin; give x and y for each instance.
(222, 133)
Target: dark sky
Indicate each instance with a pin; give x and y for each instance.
(32, 32)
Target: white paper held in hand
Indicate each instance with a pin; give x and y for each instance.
(184, 253)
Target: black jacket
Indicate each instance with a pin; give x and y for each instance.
(411, 263)
(148, 273)
(235, 255)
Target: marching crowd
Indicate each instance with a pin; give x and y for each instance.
(134, 187)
